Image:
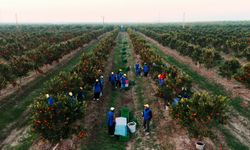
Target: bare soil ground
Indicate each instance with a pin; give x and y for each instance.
(165, 133)
(237, 125)
(17, 134)
(91, 120)
(232, 86)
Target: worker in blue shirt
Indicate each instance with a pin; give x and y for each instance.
(80, 95)
(137, 69)
(111, 121)
(145, 69)
(147, 116)
(97, 90)
(112, 79)
(123, 81)
(50, 100)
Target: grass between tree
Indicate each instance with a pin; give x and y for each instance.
(213, 88)
(104, 141)
(14, 112)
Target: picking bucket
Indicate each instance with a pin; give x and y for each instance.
(200, 145)
(132, 127)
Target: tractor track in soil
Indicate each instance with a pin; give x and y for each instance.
(233, 87)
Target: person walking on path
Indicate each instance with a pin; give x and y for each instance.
(137, 69)
(97, 90)
(123, 82)
(102, 85)
(145, 69)
(112, 80)
(111, 121)
(147, 116)
(119, 76)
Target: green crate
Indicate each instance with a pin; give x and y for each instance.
(125, 113)
(124, 138)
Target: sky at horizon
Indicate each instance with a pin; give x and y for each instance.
(54, 11)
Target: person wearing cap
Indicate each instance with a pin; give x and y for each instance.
(112, 79)
(50, 100)
(101, 80)
(147, 115)
(80, 94)
(119, 77)
(111, 121)
(145, 69)
(72, 98)
(137, 69)
(160, 80)
(123, 81)
(97, 90)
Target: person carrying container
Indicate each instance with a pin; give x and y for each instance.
(123, 81)
(111, 121)
(137, 69)
(97, 90)
(147, 116)
(145, 69)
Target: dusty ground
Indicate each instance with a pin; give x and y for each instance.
(232, 86)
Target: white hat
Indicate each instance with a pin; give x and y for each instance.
(125, 75)
(146, 105)
(101, 76)
(112, 72)
(47, 95)
(81, 88)
(112, 108)
(70, 94)
(96, 80)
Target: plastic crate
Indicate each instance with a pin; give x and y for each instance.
(125, 113)
(124, 138)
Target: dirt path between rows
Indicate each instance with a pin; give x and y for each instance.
(10, 89)
(91, 120)
(232, 86)
(18, 133)
(165, 133)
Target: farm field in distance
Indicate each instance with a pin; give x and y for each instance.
(198, 85)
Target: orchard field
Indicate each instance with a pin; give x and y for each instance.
(205, 95)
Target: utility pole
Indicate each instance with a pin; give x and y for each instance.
(16, 20)
(103, 20)
(159, 18)
(183, 20)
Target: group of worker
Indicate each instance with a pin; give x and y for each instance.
(73, 98)
(146, 114)
(139, 69)
(118, 80)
